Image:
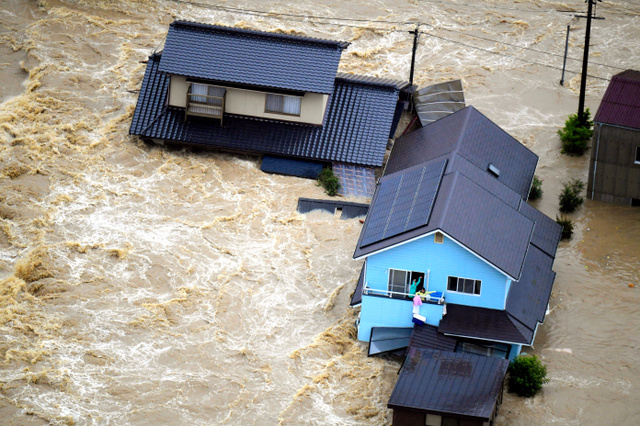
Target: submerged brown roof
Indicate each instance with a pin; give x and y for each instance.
(620, 105)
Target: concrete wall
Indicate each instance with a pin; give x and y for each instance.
(613, 175)
(252, 103)
(442, 260)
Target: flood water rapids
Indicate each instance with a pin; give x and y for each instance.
(142, 284)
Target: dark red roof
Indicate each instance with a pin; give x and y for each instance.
(620, 105)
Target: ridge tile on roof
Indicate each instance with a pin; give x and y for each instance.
(254, 58)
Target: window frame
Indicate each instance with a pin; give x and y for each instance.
(407, 284)
(476, 283)
(281, 104)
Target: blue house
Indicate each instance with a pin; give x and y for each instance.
(450, 211)
(273, 94)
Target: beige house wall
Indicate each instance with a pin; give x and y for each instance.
(252, 103)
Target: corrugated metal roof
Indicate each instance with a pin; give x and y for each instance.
(256, 58)
(439, 100)
(451, 383)
(483, 323)
(355, 129)
(620, 105)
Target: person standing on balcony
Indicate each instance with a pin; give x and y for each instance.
(414, 286)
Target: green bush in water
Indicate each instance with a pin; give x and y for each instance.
(329, 181)
(575, 136)
(527, 375)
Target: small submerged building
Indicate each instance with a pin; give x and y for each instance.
(265, 93)
(614, 170)
(450, 214)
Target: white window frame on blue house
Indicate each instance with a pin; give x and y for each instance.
(473, 293)
(405, 293)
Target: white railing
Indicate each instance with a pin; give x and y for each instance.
(402, 296)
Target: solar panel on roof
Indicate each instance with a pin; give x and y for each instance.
(404, 202)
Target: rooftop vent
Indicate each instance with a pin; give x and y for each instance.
(493, 170)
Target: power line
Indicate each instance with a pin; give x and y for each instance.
(527, 48)
(493, 6)
(319, 19)
(507, 56)
(289, 15)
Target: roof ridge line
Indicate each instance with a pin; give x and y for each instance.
(259, 33)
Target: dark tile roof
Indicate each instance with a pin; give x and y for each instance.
(450, 383)
(373, 81)
(483, 323)
(471, 135)
(620, 105)
(472, 216)
(546, 233)
(250, 57)
(355, 128)
(528, 298)
(427, 336)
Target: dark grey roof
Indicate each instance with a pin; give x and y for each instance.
(373, 81)
(474, 137)
(547, 231)
(356, 297)
(355, 129)
(403, 201)
(427, 336)
(449, 383)
(250, 57)
(483, 323)
(528, 298)
(472, 216)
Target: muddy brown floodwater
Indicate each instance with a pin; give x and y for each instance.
(145, 285)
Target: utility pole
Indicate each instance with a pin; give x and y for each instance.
(566, 48)
(585, 61)
(416, 37)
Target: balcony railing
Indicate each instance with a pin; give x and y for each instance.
(436, 297)
(206, 105)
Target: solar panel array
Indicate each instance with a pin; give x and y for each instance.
(404, 202)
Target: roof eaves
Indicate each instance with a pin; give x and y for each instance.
(256, 33)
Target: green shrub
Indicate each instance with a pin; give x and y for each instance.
(526, 375)
(575, 136)
(570, 198)
(536, 189)
(329, 181)
(567, 227)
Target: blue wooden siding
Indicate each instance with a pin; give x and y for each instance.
(378, 311)
(442, 260)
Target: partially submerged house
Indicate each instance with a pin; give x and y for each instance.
(274, 94)
(450, 210)
(450, 213)
(614, 171)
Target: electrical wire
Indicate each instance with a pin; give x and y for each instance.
(320, 19)
(509, 56)
(529, 48)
